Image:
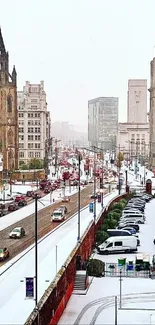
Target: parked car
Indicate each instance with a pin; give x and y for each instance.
(19, 198)
(29, 193)
(38, 195)
(2, 206)
(13, 207)
(4, 253)
(94, 196)
(2, 213)
(17, 232)
(130, 229)
(22, 203)
(47, 190)
(118, 244)
(132, 224)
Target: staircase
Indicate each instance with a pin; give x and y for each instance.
(80, 282)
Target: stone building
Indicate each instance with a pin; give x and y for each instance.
(8, 111)
(152, 115)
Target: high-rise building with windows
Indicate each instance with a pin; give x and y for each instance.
(103, 122)
(34, 121)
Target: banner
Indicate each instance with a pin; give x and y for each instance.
(29, 283)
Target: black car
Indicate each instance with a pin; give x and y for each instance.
(2, 213)
(22, 203)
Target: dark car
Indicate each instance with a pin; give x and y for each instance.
(2, 206)
(13, 207)
(2, 213)
(94, 196)
(4, 253)
(22, 203)
(64, 208)
(19, 198)
(29, 193)
(47, 190)
(129, 224)
(38, 195)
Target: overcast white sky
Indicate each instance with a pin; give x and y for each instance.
(81, 48)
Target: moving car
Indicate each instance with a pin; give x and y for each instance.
(58, 215)
(118, 244)
(22, 203)
(65, 199)
(47, 190)
(17, 232)
(13, 207)
(29, 193)
(4, 253)
(38, 195)
(63, 208)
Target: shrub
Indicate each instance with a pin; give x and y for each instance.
(95, 268)
(117, 210)
(124, 201)
(116, 215)
(117, 206)
(101, 236)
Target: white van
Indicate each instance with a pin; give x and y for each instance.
(118, 244)
(58, 215)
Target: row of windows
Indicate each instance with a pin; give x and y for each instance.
(138, 136)
(29, 114)
(30, 130)
(31, 154)
(30, 122)
(31, 137)
(30, 145)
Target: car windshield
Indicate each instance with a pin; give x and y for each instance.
(57, 214)
(16, 230)
(1, 250)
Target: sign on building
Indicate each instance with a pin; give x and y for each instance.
(29, 288)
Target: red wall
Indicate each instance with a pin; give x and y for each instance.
(54, 301)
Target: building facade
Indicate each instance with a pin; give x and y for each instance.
(133, 136)
(8, 112)
(103, 122)
(34, 122)
(152, 115)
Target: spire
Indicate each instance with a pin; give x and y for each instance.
(14, 75)
(2, 46)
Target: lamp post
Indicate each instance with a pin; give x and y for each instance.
(101, 184)
(36, 249)
(79, 197)
(119, 165)
(94, 185)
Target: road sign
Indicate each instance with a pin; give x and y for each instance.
(91, 207)
(29, 286)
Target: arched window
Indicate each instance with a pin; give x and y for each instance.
(9, 104)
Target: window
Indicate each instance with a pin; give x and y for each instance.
(30, 137)
(30, 130)
(9, 103)
(37, 145)
(30, 122)
(118, 243)
(37, 154)
(37, 114)
(21, 154)
(37, 130)
(30, 145)
(21, 137)
(21, 114)
(33, 100)
(37, 137)
(21, 130)
(21, 145)
(110, 245)
(31, 154)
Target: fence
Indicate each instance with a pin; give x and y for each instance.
(128, 271)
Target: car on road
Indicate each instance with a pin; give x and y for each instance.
(38, 195)
(22, 203)
(4, 253)
(63, 208)
(94, 196)
(47, 190)
(2, 206)
(58, 215)
(17, 232)
(65, 199)
(2, 213)
(19, 198)
(13, 207)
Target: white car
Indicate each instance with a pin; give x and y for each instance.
(17, 232)
(58, 215)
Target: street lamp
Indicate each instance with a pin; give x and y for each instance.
(101, 184)
(79, 197)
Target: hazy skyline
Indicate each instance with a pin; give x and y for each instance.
(82, 49)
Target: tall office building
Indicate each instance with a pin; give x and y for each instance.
(8, 111)
(103, 122)
(152, 115)
(34, 121)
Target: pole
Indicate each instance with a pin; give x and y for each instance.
(119, 162)
(94, 186)
(36, 249)
(10, 184)
(79, 198)
(120, 299)
(56, 156)
(102, 186)
(115, 310)
(56, 258)
(50, 196)
(4, 192)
